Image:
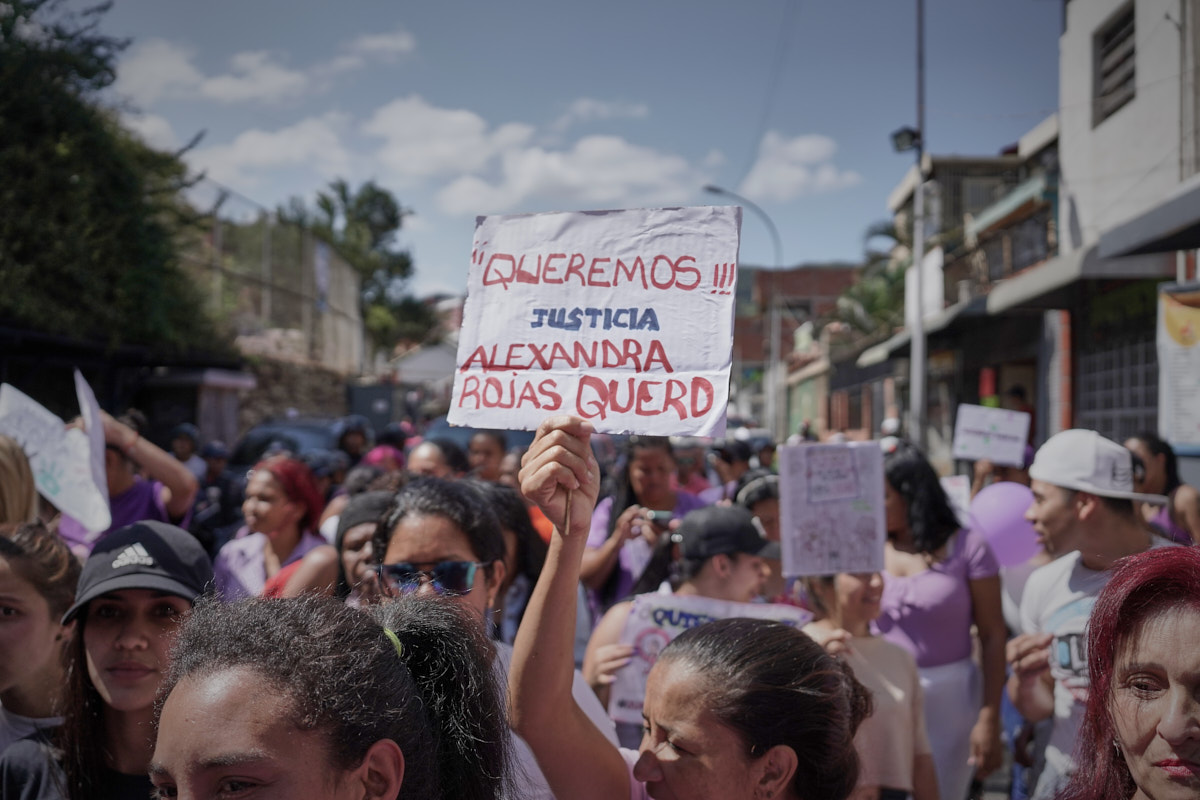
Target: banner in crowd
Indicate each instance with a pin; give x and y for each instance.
(997, 434)
(1178, 343)
(67, 463)
(831, 508)
(624, 318)
(656, 619)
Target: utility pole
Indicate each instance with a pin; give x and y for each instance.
(917, 359)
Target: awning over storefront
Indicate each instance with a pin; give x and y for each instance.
(1173, 224)
(1048, 285)
(944, 320)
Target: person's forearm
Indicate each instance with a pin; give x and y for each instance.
(599, 562)
(159, 465)
(543, 664)
(992, 660)
(1032, 697)
(925, 785)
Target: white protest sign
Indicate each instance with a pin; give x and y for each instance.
(996, 434)
(958, 490)
(831, 508)
(655, 619)
(624, 318)
(61, 459)
(94, 425)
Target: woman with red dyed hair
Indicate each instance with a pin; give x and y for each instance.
(1140, 736)
(280, 553)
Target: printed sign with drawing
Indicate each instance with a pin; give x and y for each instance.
(61, 459)
(996, 434)
(624, 318)
(831, 508)
(655, 619)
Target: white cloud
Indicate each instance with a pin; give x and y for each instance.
(314, 142)
(254, 76)
(397, 43)
(421, 140)
(155, 68)
(788, 168)
(599, 171)
(586, 109)
(154, 130)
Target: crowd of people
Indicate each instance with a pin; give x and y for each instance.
(408, 618)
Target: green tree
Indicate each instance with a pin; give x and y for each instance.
(361, 226)
(874, 305)
(88, 213)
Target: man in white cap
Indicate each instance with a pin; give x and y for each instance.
(1084, 515)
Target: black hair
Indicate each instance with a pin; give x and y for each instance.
(358, 479)
(452, 454)
(773, 685)
(513, 515)
(496, 436)
(437, 698)
(755, 486)
(931, 518)
(458, 501)
(1159, 447)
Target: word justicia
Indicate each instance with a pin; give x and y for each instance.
(573, 319)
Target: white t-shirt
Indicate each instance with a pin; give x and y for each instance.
(1058, 600)
(14, 726)
(528, 781)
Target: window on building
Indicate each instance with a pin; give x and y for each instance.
(1114, 77)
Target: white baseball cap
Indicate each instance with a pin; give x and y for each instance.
(1085, 461)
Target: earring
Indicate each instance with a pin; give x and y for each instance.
(1117, 747)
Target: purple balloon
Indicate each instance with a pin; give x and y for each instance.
(998, 512)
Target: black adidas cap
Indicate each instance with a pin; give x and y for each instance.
(144, 555)
(716, 530)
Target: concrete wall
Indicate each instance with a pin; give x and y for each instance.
(1129, 161)
(281, 385)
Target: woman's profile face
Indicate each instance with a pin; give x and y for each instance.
(650, 471)
(357, 551)
(30, 636)
(127, 635)
(686, 752)
(267, 508)
(1155, 705)
(895, 509)
(858, 595)
(231, 734)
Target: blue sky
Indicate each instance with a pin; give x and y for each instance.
(531, 105)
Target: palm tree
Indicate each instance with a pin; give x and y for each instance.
(874, 305)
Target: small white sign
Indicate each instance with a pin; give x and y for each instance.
(61, 459)
(831, 508)
(958, 490)
(996, 434)
(624, 318)
(656, 619)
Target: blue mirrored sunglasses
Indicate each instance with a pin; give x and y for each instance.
(446, 577)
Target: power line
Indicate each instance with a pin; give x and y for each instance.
(790, 8)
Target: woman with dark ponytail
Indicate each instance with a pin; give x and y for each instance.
(737, 709)
(312, 698)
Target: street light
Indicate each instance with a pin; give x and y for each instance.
(903, 140)
(773, 366)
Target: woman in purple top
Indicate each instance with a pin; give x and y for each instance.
(938, 581)
(283, 555)
(1179, 519)
(624, 528)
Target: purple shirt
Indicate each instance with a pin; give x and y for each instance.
(240, 570)
(141, 501)
(1162, 520)
(929, 614)
(635, 553)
